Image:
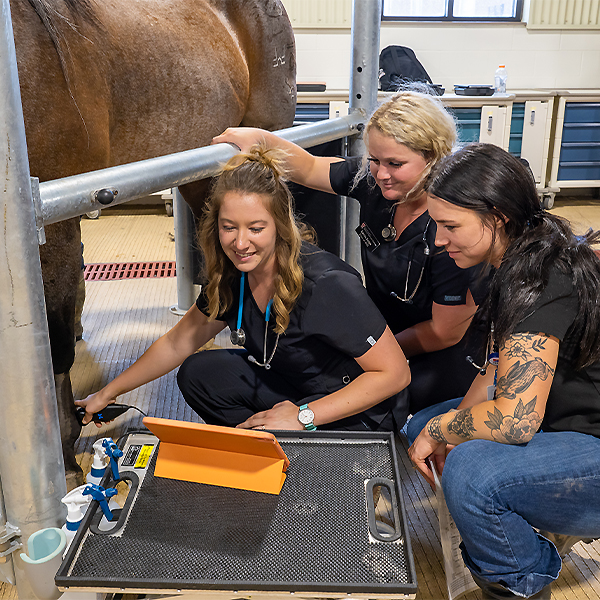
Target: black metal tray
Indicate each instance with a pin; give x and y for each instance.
(474, 90)
(337, 527)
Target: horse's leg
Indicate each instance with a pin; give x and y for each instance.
(61, 265)
(69, 429)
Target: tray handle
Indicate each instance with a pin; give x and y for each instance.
(382, 510)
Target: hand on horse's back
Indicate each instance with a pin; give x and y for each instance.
(243, 138)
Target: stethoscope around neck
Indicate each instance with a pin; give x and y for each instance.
(238, 337)
(426, 251)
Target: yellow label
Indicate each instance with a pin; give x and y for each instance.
(144, 456)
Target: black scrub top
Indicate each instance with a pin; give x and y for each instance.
(332, 322)
(574, 399)
(396, 266)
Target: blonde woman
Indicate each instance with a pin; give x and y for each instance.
(418, 288)
(313, 350)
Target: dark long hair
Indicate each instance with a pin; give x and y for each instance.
(486, 179)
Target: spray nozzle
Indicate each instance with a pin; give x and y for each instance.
(76, 503)
(100, 450)
(101, 495)
(99, 462)
(113, 452)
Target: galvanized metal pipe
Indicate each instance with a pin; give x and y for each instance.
(366, 24)
(184, 249)
(76, 195)
(7, 573)
(31, 462)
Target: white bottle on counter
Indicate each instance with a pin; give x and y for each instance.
(500, 80)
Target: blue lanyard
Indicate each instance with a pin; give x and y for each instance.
(238, 337)
(268, 311)
(241, 301)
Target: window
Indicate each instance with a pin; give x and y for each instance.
(452, 10)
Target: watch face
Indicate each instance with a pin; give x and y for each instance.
(306, 416)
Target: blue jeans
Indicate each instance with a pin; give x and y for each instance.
(497, 493)
(418, 421)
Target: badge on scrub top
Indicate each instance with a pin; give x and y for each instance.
(367, 237)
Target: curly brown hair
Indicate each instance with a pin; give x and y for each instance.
(259, 171)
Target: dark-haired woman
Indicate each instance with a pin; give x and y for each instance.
(313, 348)
(521, 452)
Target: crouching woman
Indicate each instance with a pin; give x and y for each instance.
(522, 448)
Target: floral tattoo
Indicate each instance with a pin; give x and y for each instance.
(518, 428)
(523, 345)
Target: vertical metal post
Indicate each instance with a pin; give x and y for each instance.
(184, 248)
(31, 462)
(7, 573)
(366, 24)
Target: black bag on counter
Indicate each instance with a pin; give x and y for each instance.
(398, 65)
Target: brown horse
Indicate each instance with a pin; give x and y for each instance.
(107, 82)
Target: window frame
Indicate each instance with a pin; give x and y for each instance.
(450, 18)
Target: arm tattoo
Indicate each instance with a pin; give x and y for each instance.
(435, 429)
(518, 428)
(462, 424)
(520, 377)
(522, 345)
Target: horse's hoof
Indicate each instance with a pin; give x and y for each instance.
(74, 478)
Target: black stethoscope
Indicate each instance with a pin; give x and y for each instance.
(406, 298)
(238, 337)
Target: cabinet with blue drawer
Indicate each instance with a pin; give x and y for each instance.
(517, 120)
(576, 159)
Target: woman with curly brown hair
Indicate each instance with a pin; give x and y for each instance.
(314, 349)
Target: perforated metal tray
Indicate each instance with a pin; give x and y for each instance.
(336, 529)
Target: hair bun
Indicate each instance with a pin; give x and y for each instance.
(272, 159)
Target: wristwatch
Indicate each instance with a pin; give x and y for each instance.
(306, 416)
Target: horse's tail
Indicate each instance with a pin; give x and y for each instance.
(56, 15)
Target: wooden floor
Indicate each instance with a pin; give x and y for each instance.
(122, 318)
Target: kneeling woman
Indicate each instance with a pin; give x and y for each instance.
(523, 445)
(314, 349)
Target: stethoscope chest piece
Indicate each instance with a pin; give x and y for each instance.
(238, 337)
(388, 233)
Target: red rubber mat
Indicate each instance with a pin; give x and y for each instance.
(139, 270)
